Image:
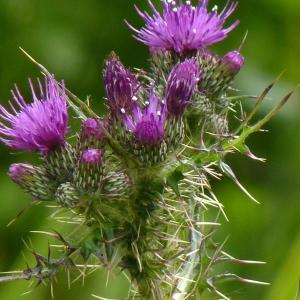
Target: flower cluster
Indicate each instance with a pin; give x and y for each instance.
(42, 126)
(137, 178)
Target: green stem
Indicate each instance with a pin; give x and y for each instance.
(191, 266)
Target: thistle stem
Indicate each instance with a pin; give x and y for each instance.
(14, 277)
(190, 267)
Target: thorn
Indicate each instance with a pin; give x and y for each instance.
(38, 284)
(19, 215)
(49, 253)
(250, 281)
(102, 298)
(52, 290)
(230, 277)
(35, 62)
(42, 232)
(248, 153)
(243, 41)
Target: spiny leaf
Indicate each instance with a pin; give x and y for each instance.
(229, 172)
(259, 101)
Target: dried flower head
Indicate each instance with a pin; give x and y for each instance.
(147, 125)
(181, 85)
(121, 86)
(184, 27)
(39, 126)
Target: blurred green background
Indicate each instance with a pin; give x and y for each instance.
(72, 38)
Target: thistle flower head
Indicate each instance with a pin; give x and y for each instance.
(91, 157)
(181, 85)
(89, 171)
(92, 128)
(218, 72)
(233, 61)
(184, 27)
(147, 125)
(39, 126)
(121, 86)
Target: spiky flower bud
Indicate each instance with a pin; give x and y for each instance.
(91, 134)
(121, 87)
(60, 163)
(180, 86)
(67, 196)
(218, 72)
(89, 171)
(91, 157)
(115, 185)
(218, 124)
(233, 61)
(33, 180)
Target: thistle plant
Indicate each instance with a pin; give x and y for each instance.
(136, 182)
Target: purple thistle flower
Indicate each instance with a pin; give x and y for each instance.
(39, 126)
(184, 27)
(233, 61)
(91, 157)
(93, 128)
(147, 125)
(121, 86)
(181, 85)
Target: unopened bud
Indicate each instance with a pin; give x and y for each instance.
(67, 195)
(218, 72)
(91, 134)
(89, 170)
(233, 62)
(91, 157)
(33, 180)
(60, 163)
